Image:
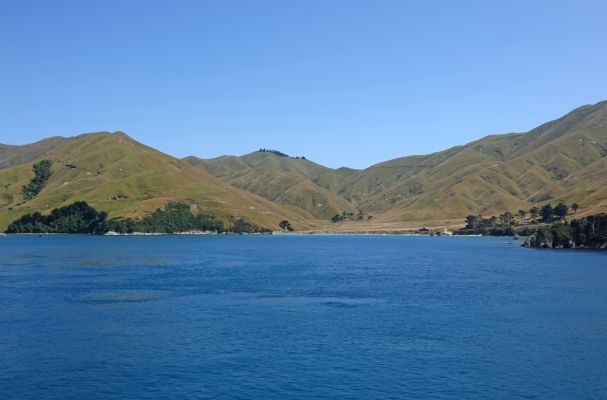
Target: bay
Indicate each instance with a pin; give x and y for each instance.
(299, 317)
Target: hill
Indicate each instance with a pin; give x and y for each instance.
(290, 181)
(116, 174)
(562, 160)
(15, 155)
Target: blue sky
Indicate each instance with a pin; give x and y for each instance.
(342, 82)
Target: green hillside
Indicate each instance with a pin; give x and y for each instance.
(562, 160)
(114, 173)
(285, 180)
(15, 155)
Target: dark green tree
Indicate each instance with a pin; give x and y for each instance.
(42, 173)
(78, 217)
(285, 226)
(175, 217)
(473, 221)
(561, 210)
(547, 212)
(506, 219)
(243, 226)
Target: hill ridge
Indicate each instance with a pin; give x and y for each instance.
(560, 160)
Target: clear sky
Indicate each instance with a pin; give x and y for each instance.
(342, 82)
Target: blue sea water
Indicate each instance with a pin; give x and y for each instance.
(299, 317)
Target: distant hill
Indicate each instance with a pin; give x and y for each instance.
(562, 160)
(115, 173)
(285, 180)
(15, 155)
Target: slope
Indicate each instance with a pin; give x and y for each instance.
(558, 161)
(285, 180)
(114, 173)
(15, 155)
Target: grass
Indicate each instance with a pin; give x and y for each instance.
(562, 159)
(114, 173)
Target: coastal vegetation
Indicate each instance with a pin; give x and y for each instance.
(174, 217)
(240, 225)
(78, 217)
(285, 225)
(509, 223)
(588, 232)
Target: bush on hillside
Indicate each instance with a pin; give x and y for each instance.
(42, 172)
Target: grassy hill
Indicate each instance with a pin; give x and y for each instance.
(114, 173)
(15, 155)
(562, 160)
(285, 180)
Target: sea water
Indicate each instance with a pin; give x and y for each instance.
(299, 317)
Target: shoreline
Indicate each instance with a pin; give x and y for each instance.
(115, 234)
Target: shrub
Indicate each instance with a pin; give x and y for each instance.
(42, 172)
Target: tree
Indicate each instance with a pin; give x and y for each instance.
(285, 226)
(561, 210)
(172, 218)
(243, 226)
(42, 172)
(589, 232)
(78, 217)
(522, 214)
(506, 218)
(534, 212)
(472, 221)
(546, 212)
(575, 207)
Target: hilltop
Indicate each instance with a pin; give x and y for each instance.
(290, 181)
(16, 155)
